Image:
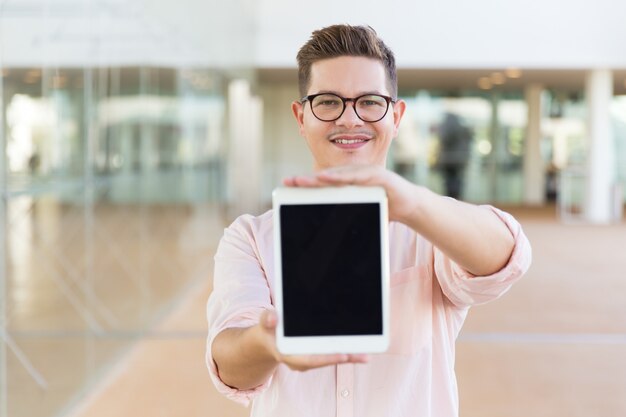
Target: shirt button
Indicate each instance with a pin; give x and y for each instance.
(345, 393)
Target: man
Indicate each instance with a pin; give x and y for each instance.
(445, 255)
(455, 140)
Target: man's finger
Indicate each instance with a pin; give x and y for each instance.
(359, 358)
(301, 181)
(318, 361)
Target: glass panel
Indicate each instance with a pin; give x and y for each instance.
(113, 199)
(512, 115)
(112, 177)
(618, 112)
(564, 150)
(115, 180)
(446, 144)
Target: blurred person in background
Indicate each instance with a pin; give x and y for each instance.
(445, 256)
(455, 140)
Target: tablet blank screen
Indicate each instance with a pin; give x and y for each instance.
(331, 265)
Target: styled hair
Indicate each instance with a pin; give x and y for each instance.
(345, 40)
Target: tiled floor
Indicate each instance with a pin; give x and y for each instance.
(164, 375)
(84, 285)
(553, 346)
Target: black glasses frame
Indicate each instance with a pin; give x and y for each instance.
(344, 100)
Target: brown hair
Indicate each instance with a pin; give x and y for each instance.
(345, 40)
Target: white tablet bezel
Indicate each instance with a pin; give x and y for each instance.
(331, 344)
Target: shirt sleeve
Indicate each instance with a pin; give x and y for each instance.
(240, 294)
(464, 289)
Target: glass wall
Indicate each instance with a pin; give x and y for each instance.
(618, 113)
(154, 134)
(467, 145)
(113, 184)
(471, 144)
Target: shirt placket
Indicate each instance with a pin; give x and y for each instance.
(345, 390)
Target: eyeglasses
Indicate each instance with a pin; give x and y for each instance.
(329, 107)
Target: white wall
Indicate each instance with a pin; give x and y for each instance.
(54, 33)
(268, 33)
(466, 34)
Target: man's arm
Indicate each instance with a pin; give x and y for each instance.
(472, 236)
(247, 357)
(242, 358)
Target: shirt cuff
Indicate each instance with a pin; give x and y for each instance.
(245, 319)
(464, 288)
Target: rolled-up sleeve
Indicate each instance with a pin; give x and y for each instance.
(464, 289)
(240, 294)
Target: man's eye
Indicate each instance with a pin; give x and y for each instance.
(371, 102)
(329, 102)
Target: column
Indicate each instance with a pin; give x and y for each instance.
(496, 148)
(534, 169)
(4, 389)
(148, 151)
(244, 151)
(600, 167)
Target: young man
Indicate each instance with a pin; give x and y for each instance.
(445, 256)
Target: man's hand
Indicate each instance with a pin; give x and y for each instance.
(246, 357)
(472, 236)
(401, 193)
(267, 328)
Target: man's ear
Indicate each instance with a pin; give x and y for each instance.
(398, 112)
(298, 112)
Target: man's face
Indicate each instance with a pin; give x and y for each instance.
(368, 143)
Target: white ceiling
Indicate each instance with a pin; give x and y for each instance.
(438, 44)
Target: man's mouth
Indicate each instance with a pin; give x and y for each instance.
(349, 141)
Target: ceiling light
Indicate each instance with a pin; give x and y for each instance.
(34, 73)
(484, 83)
(513, 72)
(59, 81)
(497, 78)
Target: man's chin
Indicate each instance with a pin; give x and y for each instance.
(357, 160)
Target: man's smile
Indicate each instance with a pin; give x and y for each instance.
(350, 141)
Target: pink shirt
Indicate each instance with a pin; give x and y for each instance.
(430, 298)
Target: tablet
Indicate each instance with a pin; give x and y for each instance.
(331, 270)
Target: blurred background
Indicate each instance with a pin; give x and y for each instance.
(132, 133)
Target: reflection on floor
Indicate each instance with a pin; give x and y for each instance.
(164, 374)
(552, 346)
(84, 284)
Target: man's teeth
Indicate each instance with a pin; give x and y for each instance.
(349, 141)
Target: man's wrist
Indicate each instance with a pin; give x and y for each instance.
(416, 199)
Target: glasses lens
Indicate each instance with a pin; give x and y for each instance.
(327, 106)
(371, 108)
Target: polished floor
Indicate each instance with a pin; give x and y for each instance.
(84, 285)
(553, 346)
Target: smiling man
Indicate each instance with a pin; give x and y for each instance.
(445, 256)
(363, 133)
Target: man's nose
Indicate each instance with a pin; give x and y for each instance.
(349, 117)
